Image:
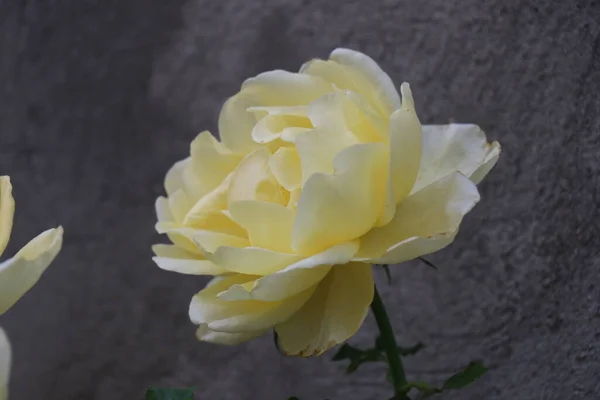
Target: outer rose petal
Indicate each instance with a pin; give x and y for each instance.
(489, 161)
(20, 273)
(174, 258)
(425, 222)
(405, 146)
(240, 316)
(381, 81)
(7, 210)
(337, 208)
(455, 147)
(357, 72)
(5, 361)
(294, 279)
(333, 314)
(205, 334)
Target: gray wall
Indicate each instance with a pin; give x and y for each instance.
(98, 98)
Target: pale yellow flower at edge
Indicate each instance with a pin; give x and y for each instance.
(19, 273)
(318, 175)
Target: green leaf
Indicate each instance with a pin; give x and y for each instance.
(429, 263)
(468, 375)
(169, 394)
(386, 268)
(409, 351)
(403, 351)
(357, 356)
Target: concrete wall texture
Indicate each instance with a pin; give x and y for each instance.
(99, 97)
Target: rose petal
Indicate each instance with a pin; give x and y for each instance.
(252, 180)
(332, 315)
(294, 279)
(174, 258)
(205, 334)
(405, 146)
(240, 316)
(7, 210)
(211, 161)
(454, 147)
(424, 222)
(20, 273)
(283, 88)
(491, 158)
(250, 260)
(5, 363)
(337, 208)
(269, 225)
(385, 90)
(285, 165)
(360, 74)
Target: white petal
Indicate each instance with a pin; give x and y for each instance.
(174, 180)
(333, 314)
(5, 363)
(424, 222)
(489, 161)
(7, 210)
(20, 273)
(454, 147)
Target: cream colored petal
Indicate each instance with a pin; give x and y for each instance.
(381, 83)
(240, 316)
(285, 165)
(425, 222)
(236, 124)
(252, 180)
(192, 239)
(405, 146)
(454, 147)
(211, 162)
(351, 78)
(269, 225)
(20, 273)
(174, 180)
(261, 111)
(294, 279)
(273, 127)
(179, 205)
(332, 315)
(5, 364)
(7, 210)
(174, 258)
(163, 210)
(251, 260)
(490, 160)
(337, 208)
(283, 88)
(205, 334)
(318, 148)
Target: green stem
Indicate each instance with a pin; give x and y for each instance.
(391, 348)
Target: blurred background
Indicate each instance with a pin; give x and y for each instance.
(98, 98)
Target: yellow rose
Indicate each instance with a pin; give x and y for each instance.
(319, 174)
(20, 273)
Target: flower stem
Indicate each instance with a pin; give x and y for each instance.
(391, 348)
